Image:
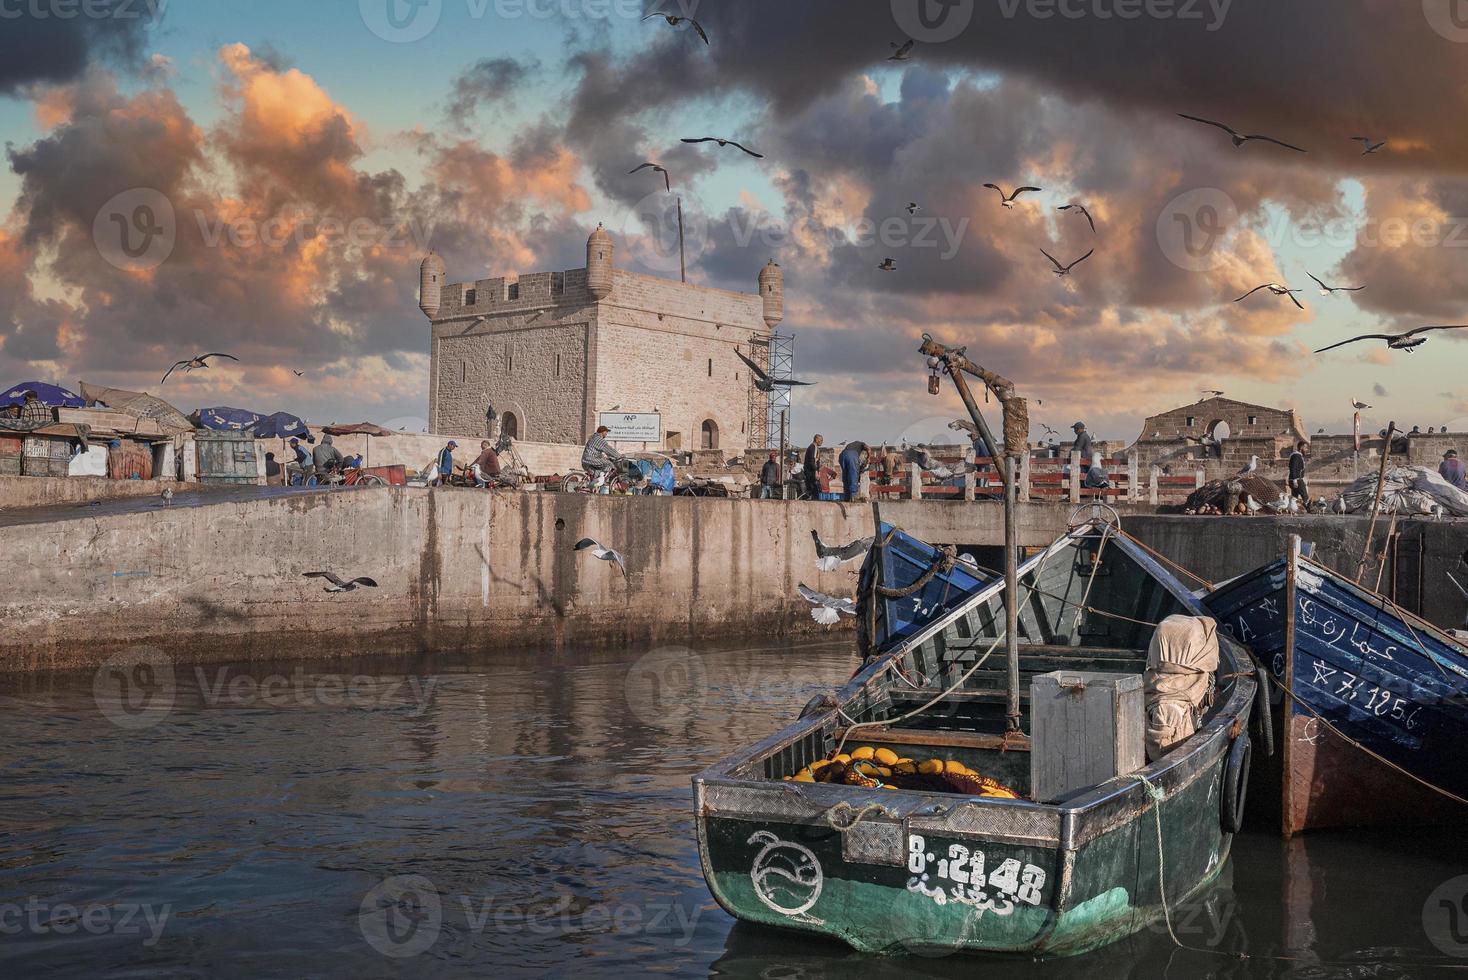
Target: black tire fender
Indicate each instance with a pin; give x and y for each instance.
(1263, 719)
(1235, 784)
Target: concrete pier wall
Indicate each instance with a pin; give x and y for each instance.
(468, 570)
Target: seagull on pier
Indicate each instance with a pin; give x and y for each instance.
(1359, 405)
(194, 363)
(1367, 146)
(656, 169)
(828, 609)
(1327, 290)
(828, 557)
(167, 496)
(888, 265)
(1398, 341)
(1081, 208)
(724, 142)
(674, 20)
(762, 379)
(1241, 138)
(599, 550)
(1276, 289)
(1064, 270)
(901, 52)
(1252, 466)
(1007, 200)
(340, 585)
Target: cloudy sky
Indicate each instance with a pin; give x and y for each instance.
(263, 176)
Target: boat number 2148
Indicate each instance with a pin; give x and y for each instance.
(965, 867)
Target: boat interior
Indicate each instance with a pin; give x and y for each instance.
(1089, 603)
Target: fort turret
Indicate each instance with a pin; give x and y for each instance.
(772, 292)
(430, 285)
(599, 251)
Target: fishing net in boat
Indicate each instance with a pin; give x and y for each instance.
(1178, 684)
(879, 768)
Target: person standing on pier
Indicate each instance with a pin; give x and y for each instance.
(446, 463)
(1082, 444)
(853, 461)
(769, 478)
(1299, 486)
(1451, 469)
(811, 467)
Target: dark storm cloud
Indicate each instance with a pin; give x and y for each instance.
(52, 49)
(484, 83)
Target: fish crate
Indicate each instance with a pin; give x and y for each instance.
(1087, 727)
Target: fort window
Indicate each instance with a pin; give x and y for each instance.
(470, 296)
(463, 370)
(510, 426)
(1253, 420)
(711, 367)
(512, 291)
(558, 365)
(1191, 421)
(710, 434)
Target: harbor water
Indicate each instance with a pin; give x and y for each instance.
(530, 816)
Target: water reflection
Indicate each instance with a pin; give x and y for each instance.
(522, 815)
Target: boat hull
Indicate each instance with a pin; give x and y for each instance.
(892, 886)
(1364, 711)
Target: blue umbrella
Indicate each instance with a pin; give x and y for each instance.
(224, 419)
(50, 395)
(282, 425)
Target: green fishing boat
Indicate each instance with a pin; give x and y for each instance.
(887, 868)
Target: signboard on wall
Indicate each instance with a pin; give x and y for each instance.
(633, 426)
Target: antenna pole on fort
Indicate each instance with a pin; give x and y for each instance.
(955, 363)
(682, 263)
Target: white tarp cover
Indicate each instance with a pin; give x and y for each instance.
(93, 462)
(1178, 685)
(1408, 490)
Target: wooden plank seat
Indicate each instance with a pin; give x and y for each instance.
(936, 738)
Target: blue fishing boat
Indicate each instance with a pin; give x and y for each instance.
(897, 562)
(1375, 700)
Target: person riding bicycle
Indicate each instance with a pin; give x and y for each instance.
(598, 456)
(301, 469)
(327, 459)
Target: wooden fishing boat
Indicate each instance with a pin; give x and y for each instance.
(888, 869)
(899, 561)
(1375, 699)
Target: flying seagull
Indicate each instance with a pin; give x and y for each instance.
(1359, 405)
(1064, 270)
(1327, 290)
(828, 608)
(674, 20)
(724, 142)
(598, 550)
(762, 379)
(1397, 341)
(828, 556)
(888, 265)
(337, 585)
(913, 207)
(1049, 431)
(901, 52)
(1367, 146)
(1276, 289)
(920, 456)
(194, 363)
(1007, 200)
(1240, 138)
(1250, 467)
(299, 374)
(1082, 209)
(656, 169)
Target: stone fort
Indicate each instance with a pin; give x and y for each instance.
(551, 350)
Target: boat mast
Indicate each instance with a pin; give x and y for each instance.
(954, 362)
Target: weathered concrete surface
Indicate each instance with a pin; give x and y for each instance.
(40, 491)
(219, 576)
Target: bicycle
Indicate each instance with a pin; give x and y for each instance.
(592, 481)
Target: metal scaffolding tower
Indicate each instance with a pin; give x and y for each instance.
(775, 353)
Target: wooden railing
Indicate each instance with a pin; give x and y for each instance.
(1039, 480)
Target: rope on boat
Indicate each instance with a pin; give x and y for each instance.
(843, 816)
(1166, 560)
(1095, 573)
(947, 555)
